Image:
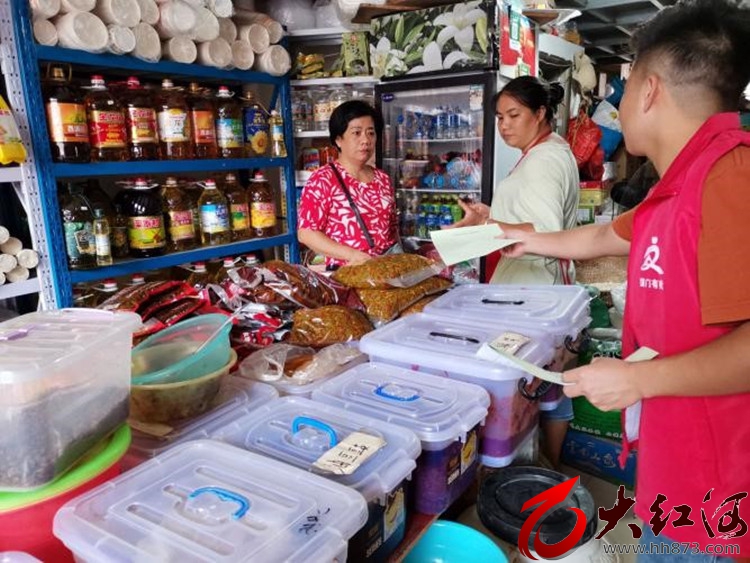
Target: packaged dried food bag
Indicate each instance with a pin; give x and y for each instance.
(11, 148)
(419, 306)
(328, 325)
(132, 297)
(384, 305)
(389, 271)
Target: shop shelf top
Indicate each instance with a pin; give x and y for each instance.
(135, 265)
(130, 168)
(161, 68)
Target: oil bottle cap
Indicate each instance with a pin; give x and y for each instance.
(210, 183)
(97, 81)
(137, 279)
(170, 181)
(133, 82)
(200, 267)
(110, 285)
(231, 177)
(224, 92)
(228, 262)
(251, 260)
(167, 83)
(258, 176)
(141, 183)
(58, 73)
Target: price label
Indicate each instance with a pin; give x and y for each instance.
(346, 456)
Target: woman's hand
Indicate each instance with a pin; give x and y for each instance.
(474, 214)
(357, 257)
(520, 233)
(607, 383)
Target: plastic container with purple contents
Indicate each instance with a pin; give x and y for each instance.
(562, 311)
(449, 348)
(445, 415)
(299, 431)
(236, 398)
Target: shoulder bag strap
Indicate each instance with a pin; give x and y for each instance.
(354, 207)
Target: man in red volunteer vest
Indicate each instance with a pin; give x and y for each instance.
(688, 298)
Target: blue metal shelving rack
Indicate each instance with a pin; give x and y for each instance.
(31, 56)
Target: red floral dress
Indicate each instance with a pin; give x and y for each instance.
(323, 207)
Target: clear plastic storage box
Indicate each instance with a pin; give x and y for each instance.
(444, 414)
(562, 311)
(236, 398)
(298, 431)
(64, 385)
(449, 348)
(204, 501)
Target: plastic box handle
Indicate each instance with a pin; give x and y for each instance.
(382, 392)
(224, 494)
(314, 423)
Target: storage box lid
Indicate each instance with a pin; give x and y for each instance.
(431, 342)
(298, 431)
(207, 501)
(34, 344)
(236, 398)
(561, 310)
(438, 410)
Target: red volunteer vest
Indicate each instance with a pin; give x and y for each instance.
(687, 445)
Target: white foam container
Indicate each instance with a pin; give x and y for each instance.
(64, 385)
(236, 398)
(449, 348)
(298, 431)
(204, 501)
(445, 415)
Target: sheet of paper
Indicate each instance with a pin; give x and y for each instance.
(345, 457)
(466, 243)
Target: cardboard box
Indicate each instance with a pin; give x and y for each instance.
(599, 457)
(454, 38)
(594, 193)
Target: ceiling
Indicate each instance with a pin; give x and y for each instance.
(607, 25)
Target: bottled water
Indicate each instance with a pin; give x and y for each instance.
(441, 123)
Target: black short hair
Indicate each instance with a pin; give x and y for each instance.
(700, 42)
(353, 109)
(534, 94)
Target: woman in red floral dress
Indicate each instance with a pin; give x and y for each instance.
(336, 193)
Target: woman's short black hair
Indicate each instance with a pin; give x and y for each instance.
(534, 94)
(353, 109)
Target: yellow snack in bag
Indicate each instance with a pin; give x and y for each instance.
(11, 148)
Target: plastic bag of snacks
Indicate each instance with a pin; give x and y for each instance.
(11, 148)
(384, 305)
(328, 325)
(419, 306)
(389, 271)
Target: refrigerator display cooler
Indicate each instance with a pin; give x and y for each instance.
(437, 146)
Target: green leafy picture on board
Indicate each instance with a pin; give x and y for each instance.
(446, 38)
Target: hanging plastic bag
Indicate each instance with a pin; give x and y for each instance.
(583, 136)
(11, 148)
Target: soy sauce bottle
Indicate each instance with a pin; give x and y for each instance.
(66, 118)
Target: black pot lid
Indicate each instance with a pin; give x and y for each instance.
(502, 495)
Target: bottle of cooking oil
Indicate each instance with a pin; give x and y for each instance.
(199, 276)
(140, 115)
(202, 122)
(227, 264)
(229, 125)
(107, 133)
(145, 209)
(174, 123)
(104, 291)
(78, 228)
(66, 118)
(179, 215)
(119, 228)
(278, 146)
(255, 119)
(239, 208)
(262, 207)
(214, 215)
(102, 238)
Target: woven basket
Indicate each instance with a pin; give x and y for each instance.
(587, 418)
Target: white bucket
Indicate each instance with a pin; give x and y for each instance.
(227, 29)
(206, 26)
(216, 53)
(81, 30)
(149, 11)
(45, 8)
(176, 18)
(221, 8)
(180, 49)
(147, 43)
(121, 39)
(243, 56)
(275, 61)
(77, 5)
(274, 28)
(118, 12)
(45, 32)
(256, 35)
